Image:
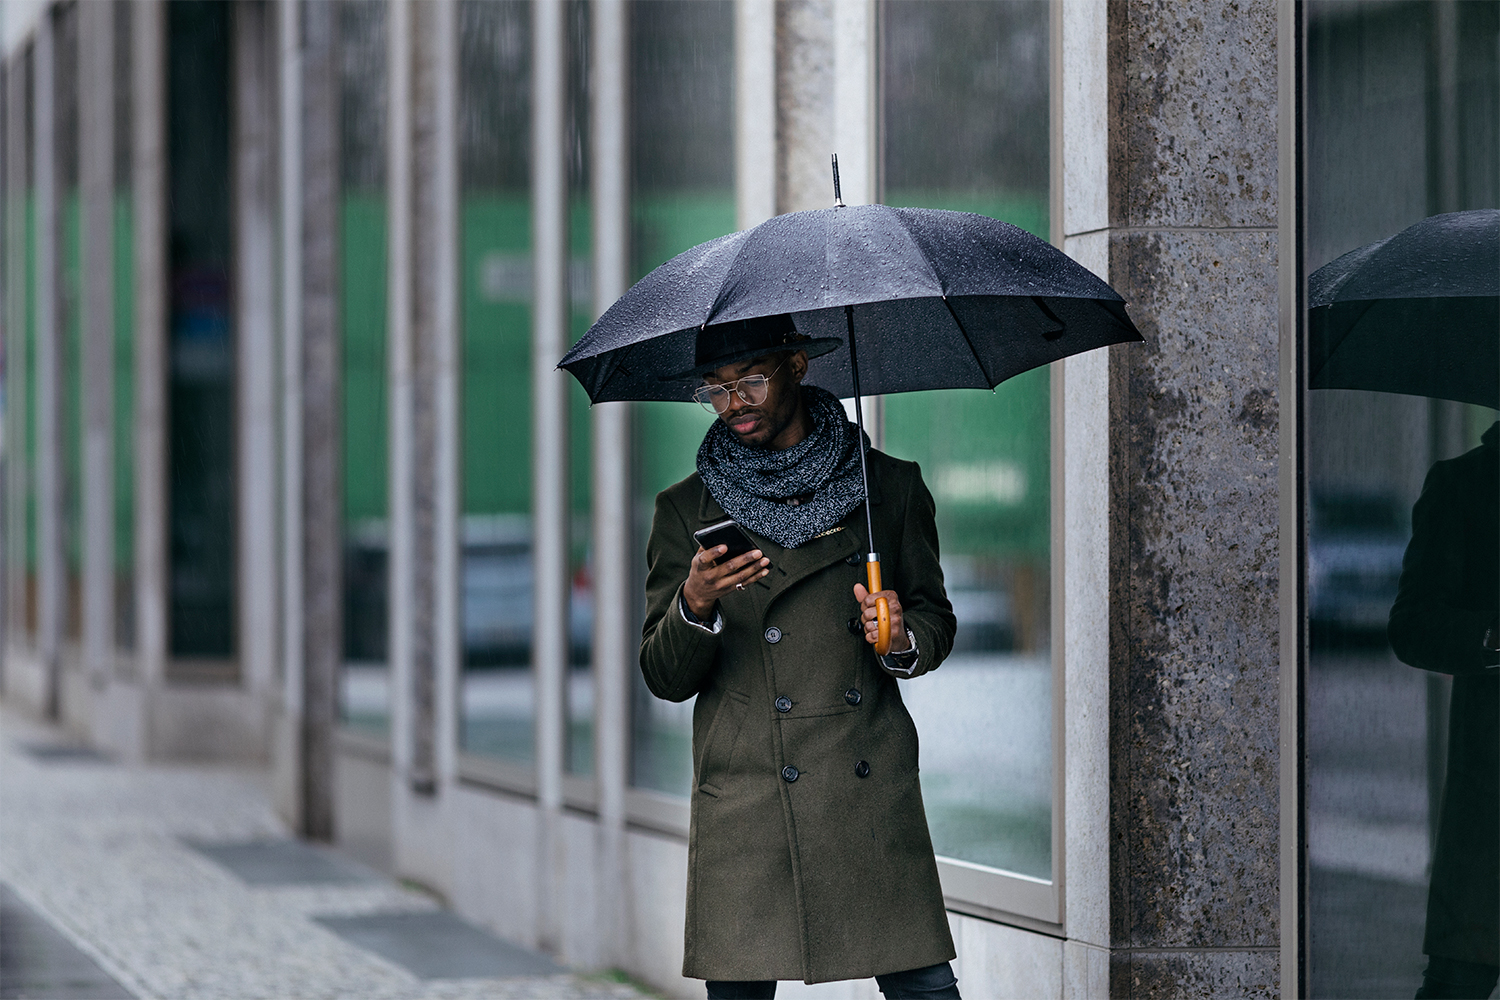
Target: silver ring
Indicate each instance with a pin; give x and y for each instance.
(739, 586)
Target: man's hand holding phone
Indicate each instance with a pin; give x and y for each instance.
(711, 576)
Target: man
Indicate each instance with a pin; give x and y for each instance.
(808, 855)
(1444, 620)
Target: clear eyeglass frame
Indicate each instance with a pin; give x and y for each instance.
(751, 389)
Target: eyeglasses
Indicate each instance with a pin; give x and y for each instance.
(751, 389)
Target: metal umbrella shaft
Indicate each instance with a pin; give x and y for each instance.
(872, 561)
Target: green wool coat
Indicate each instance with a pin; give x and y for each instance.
(829, 875)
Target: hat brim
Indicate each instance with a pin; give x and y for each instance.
(815, 347)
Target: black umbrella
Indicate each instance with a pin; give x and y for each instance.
(1416, 313)
(941, 300)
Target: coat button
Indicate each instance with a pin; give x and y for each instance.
(854, 626)
(783, 704)
(773, 634)
(852, 559)
(852, 696)
(861, 770)
(789, 773)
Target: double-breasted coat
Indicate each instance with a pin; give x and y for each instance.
(808, 854)
(1447, 599)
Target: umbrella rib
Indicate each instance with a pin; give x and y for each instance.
(970, 341)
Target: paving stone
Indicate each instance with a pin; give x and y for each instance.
(438, 945)
(282, 862)
(38, 961)
(135, 867)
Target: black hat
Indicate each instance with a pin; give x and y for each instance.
(725, 343)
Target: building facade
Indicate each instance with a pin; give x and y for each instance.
(291, 478)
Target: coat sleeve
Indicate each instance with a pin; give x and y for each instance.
(676, 657)
(924, 601)
(1432, 625)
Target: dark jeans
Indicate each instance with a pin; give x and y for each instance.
(1452, 979)
(935, 982)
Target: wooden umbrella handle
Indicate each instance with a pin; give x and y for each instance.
(882, 608)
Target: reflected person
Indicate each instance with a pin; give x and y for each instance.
(809, 855)
(1445, 620)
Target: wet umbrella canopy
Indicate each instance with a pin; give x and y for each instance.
(941, 300)
(1417, 313)
(921, 298)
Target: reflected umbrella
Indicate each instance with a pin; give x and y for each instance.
(1417, 313)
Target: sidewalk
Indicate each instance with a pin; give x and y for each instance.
(178, 881)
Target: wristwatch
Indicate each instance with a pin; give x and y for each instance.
(906, 659)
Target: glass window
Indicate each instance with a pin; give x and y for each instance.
(365, 696)
(200, 439)
(966, 127)
(682, 193)
(495, 216)
(1401, 763)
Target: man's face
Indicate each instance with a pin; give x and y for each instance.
(770, 423)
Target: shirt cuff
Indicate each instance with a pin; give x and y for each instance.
(904, 662)
(714, 627)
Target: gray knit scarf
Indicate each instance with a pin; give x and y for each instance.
(753, 485)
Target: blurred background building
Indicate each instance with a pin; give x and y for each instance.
(290, 477)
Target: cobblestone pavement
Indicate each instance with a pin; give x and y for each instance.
(99, 851)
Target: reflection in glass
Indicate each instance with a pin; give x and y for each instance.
(682, 193)
(201, 338)
(364, 697)
(495, 253)
(966, 128)
(1401, 763)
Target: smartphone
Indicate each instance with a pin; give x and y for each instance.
(725, 533)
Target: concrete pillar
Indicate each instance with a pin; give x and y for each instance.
(550, 509)
(1079, 97)
(319, 368)
(287, 758)
(255, 263)
(804, 104)
(52, 568)
(423, 337)
(17, 410)
(1191, 243)
(96, 152)
(856, 111)
(754, 112)
(149, 180)
(614, 648)
(398, 355)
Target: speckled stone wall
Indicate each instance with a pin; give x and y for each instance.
(1194, 885)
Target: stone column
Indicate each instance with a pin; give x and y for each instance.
(257, 562)
(319, 369)
(96, 154)
(149, 179)
(17, 411)
(423, 348)
(614, 646)
(51, 569)
(1192, 198)
(550, 509)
